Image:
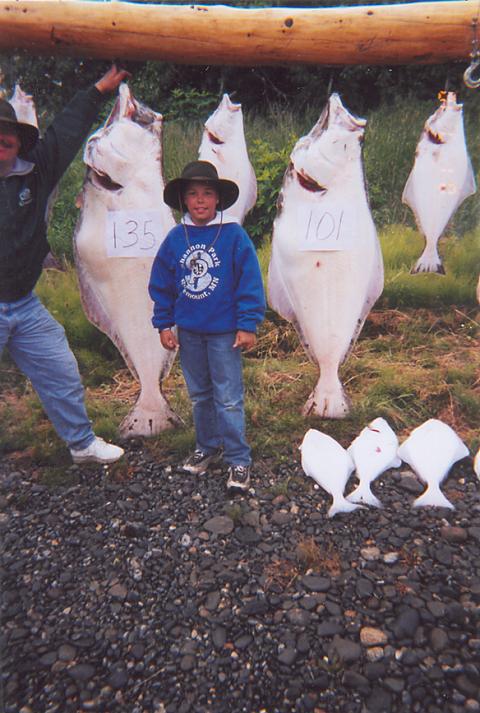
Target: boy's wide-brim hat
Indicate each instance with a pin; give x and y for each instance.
(206, 173)
(27, 132)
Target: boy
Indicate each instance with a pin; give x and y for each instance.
(206, 280)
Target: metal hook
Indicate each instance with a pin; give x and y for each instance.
(468, 78)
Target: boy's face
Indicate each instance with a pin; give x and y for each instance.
(201, 200)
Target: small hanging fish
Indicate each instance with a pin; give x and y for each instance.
(223, 144)
(440, 180)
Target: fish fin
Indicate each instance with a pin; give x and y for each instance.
(433, 497)
(341, 505)
(97, 314)
(363, 494)
(278, 296)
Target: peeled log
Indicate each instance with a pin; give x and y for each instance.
(422, 33)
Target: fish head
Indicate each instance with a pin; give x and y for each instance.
(223, 132)
(441, 126)
(112, 153)
(327, 155)
(24, 106)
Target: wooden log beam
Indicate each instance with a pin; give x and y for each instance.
(421, 33)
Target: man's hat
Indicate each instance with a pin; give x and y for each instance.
(206, 173)
(27, 132)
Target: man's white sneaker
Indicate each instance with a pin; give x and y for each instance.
(97, 452)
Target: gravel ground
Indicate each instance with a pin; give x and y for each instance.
(144, 590)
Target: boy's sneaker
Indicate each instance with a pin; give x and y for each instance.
(97, 452)
(198, 462)
(238, 477)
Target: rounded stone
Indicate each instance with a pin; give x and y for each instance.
(369, 636)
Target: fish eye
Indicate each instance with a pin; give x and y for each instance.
(309, 184)
(214, 139)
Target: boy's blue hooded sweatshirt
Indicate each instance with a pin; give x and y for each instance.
(207, 281)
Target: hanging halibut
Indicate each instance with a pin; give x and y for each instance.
(123, 220)
(223, 144)
(326, 268)
(440, 180)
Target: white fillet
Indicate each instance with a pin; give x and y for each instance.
(124, 171)
(431, 450)
(326, 294)
(373, 451)
(329, 464)
(440, 180)
(223, 144)
(476, 464)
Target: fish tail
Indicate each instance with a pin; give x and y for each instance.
(363, 494)
(433, 497)
(341, 505)
(428, 264)
(331, 403)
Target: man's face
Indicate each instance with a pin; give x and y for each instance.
(9, 144)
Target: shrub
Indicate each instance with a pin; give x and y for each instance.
(270, 165)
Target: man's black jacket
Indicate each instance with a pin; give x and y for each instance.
(24, 195)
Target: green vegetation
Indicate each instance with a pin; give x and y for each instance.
(417, 356)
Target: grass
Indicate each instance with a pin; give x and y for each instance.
(408, 365)
(417, 356)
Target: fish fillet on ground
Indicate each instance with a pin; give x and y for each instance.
(440, 180)
(373, 451)
(124, 176)
(329, 464)
(326, 267)
(223, 144)
(431, 450)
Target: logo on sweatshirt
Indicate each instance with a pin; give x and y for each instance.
(199, 260)
(24, 197)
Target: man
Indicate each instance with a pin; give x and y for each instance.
(29, 169)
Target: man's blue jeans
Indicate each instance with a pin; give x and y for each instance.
(213, 374)
(38, 345)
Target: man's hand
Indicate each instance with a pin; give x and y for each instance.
(168, 339)
(111, 79)
(245, 340)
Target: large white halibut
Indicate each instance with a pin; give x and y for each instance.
(431, 450)
(440, 180)
(326, 293)
(125, 173)
(324, 460)
(223, 144)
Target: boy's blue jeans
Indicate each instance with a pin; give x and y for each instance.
(213, 374)
(38, 345)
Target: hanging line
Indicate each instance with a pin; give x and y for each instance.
(468, 76)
